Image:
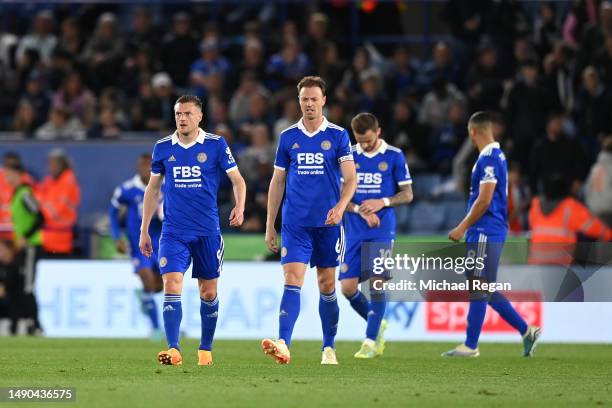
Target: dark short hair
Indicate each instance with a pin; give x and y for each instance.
(310, 82)
(190, 99)
(363, 122)
(480, 119)
(146, 156)
(14, 166)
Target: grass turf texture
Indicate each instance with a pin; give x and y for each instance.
(124, 373)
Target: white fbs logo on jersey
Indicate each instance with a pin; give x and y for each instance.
(310, 163)
(187, 176)
(369, 182)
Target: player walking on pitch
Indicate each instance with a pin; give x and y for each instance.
(383, 181)
(130, 194)
(192, 162)
(312, 157)
(485, 228)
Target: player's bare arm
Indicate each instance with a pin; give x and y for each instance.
(239, 186)
(149, 206)
(275, 196)
(372, 206)
(485, 195)
(349, 175)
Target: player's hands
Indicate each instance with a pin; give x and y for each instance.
(121, 246)
(334, 216)
(456, 233)
(145, 244)
(371, 206)
(372, 220)
(271, 240)
(236, 217)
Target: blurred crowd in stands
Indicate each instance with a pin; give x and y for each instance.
(96, 72)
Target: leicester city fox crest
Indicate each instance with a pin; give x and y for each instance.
(202, 157)
(326, 145)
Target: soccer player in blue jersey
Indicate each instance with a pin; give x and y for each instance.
(312, 157)
(129, 195)
(192, 163)
(383, 182)
(485, 228)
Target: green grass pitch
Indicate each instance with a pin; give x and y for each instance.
(124, 373)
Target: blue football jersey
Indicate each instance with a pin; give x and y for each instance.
(491, 167)
(192, 174)
(379, 174)
(130, 194)
(312, 162)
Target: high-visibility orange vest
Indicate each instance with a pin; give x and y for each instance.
(59, 199)
(554, 235)
(6, 193)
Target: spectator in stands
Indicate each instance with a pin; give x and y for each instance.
(59, 196)
(546, 30)
(42, 40)
(526, 107)
(143, 33)
(350, 83)
(336, 113)
(61, 64)
(239, 104)
(10, 159)
(603, 62)
(61, 125)
(104, 52)
(467, 19)
(372, 98)
(24, 122)
(436, 103)
(560, 83)
(141, 64)
(71, 40)
(179, 49)
(594, 110)
(291, 114)
(484, 81)
(210, 61)
(160, 112)
(448, 138)
(74, 97)
(253, 58)
(287, 67)
(258, 112)
(316, 39)
(443, 66)
(403, 73)
(519, 199)
(36, 94)
(599, 184)
(260, 150)
(226, 132)
(557, 154)
(331, 67)
(409, 134)
(107, 125)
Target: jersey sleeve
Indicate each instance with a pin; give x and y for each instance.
(401, 172)
(157, 162)
(226, 159)
(282, 159)
(489, 169)
(344, 152)
(118, 197)
(113, 212)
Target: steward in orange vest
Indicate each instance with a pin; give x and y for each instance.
(59, 196)
(555, 220)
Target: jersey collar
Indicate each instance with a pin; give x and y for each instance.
(488, 148)
(138, 182)
(199, 139)
(321, 128)
(381, 149)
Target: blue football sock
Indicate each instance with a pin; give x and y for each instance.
(378, 305)
(505, 309)
(360, 303)
(173, 313)
(209, 310)
(150, 308)
(330, 314)
(475, 319)
(289, 312)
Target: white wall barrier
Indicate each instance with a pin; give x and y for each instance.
(97, 299)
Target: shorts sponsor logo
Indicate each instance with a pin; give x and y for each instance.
(202, 157)
(326, 145)
(382, 166)
(163, 261)
(344, 268)
(284, 252)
